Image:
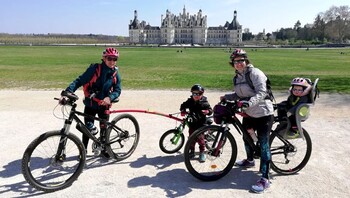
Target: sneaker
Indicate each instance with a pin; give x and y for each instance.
(94, 130)
(293, 133)
(105, 154)
(202, 157)
(245, 163)
(261, 185)
(191, 154)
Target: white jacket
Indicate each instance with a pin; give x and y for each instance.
(258, 105)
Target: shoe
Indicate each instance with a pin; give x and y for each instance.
(202, 157)
(245, 163)
(191, 154)
(94, 130)
(105, 154)
(261, 185)
(293, 133)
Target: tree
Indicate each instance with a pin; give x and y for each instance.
(337, 21)
(319, 28)
(297, 25)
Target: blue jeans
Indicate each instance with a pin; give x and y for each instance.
(263, 127)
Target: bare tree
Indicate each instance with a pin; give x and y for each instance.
(337, 21)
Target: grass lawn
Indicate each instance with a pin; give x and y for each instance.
(52, 67)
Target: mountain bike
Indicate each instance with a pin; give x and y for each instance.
(173, 140)
(288, 155)
(55, 159)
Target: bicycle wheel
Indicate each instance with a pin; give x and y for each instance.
(122, 137)
(43, 171)
(171, 141)
(215, 166)
(290, 158)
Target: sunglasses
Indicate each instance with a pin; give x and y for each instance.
(298, 90)
(196, 94)
(112, 58)
(238, 61)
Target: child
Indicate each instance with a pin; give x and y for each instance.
(298, 95)
(198, 107)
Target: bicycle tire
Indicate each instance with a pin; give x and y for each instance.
(168, 144)
(214, 167)
(43, 172)
(115, 138)
(290, 162)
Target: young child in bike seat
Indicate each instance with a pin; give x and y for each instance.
(199, 108)
(299, 93)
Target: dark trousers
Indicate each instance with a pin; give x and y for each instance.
(101, 114)
(200, 139)
(263, 127)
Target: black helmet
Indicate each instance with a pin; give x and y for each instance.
(238, 53)
(197, 88)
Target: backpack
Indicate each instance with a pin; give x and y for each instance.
(87, 88)
(250, 83)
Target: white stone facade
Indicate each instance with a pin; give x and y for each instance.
(185, 29)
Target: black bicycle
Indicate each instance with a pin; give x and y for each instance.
(55, 159)
(288, 155)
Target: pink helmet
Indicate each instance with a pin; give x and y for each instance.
(110, 51)
(301, 82)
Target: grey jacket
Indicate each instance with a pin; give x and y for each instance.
(258, 105)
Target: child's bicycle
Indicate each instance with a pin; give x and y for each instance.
(55, 159)
(174, 139)
(288, 156)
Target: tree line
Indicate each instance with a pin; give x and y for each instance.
(331, 26)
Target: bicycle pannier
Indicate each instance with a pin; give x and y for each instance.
(222, 113)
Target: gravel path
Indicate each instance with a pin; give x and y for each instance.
(151, 173)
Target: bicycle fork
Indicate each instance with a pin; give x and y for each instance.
(219, 141)
(61, 150)
(177, 136)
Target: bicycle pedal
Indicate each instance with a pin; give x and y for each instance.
(97, 151)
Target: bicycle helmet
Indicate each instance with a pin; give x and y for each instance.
(304, 82)
(238, 53)
(110, 51)
(197, 88)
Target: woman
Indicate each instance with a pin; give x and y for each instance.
(103, 82)
(255, 102)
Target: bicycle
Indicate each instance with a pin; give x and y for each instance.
(288, 156)
(55, 159)
(173, 140)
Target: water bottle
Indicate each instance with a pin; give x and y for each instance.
(252, 134)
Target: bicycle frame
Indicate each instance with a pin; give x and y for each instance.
(73, 115)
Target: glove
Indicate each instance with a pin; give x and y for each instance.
(183, 113)
(243, 104)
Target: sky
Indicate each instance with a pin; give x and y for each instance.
(112, 17)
